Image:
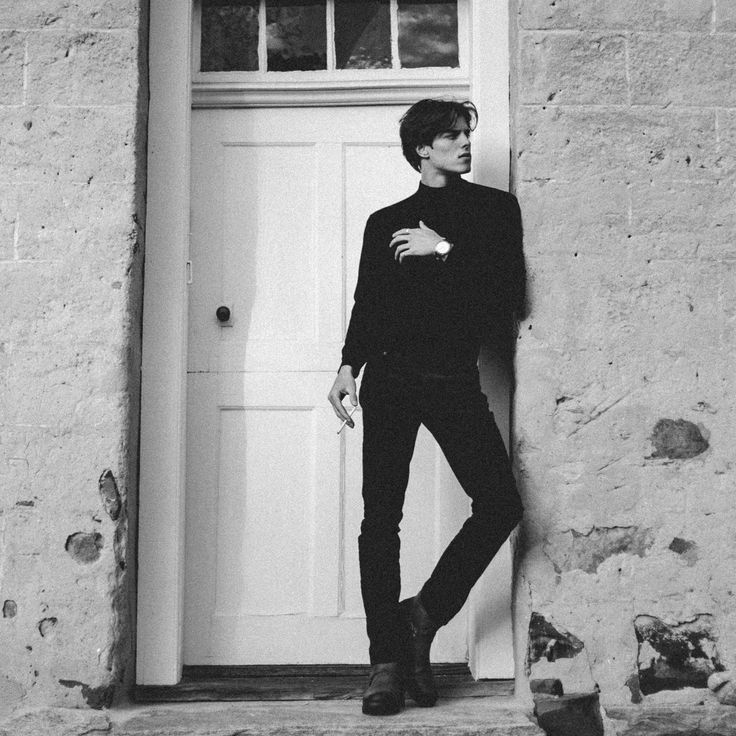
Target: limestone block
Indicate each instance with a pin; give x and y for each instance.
(68, 144)
(8, 220)
(671, 15)
(572, 216)
(572, 68)
(55, 722)
(725, 13)
(672, 720)
(82, 68)
(573, 143)
(680, 207)
(94, 223)
(688, 69)
(726, 120)
(12, 51)
(70, 13)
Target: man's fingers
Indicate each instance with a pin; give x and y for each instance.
(400, 250)
(337, 405)
(398, 239)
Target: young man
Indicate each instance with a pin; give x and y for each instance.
(439, 272)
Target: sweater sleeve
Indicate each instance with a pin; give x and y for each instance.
(365, 317)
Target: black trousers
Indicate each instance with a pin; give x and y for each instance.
(453, 408)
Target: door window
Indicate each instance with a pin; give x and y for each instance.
(277, 36)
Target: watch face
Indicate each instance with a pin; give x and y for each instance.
(442, 248)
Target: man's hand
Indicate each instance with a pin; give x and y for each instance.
(414, 241)
(344, 386)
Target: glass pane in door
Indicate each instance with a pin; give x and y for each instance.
(427, 33)
(296, 35)
(362, 34)
(229, 39)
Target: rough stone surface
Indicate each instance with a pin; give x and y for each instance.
(707, 719)
(623, 138)
(677, 439)
(548, 642)
(674, 657)
(691, 68)
(72, 153)
(496, 716)
(565, 715)
(551, 64)
(632, 15)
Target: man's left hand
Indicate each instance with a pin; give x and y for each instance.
(414, 241)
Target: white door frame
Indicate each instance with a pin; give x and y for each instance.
(163, 420)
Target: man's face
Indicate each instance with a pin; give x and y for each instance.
(450, 150)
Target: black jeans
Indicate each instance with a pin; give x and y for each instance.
(453, 408)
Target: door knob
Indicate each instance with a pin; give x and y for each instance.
(223, 314)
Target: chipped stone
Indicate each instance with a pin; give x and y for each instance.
(686, 548)
(632, 682)
(674, 657)
(574, 550)
(727, 694)
(576, 713)
(10, 609)
(549, 642)
(84, 547)
(719, 679)
(668, 720)
(109, 493)
(546, 686)
(677, 439)
(46, 626)
(95, 697)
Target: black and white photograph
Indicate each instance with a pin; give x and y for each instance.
(368, 367)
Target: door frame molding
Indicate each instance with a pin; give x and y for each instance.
(165, 305)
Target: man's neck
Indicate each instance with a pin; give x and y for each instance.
(437, 179)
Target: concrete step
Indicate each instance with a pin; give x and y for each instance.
(496, 716)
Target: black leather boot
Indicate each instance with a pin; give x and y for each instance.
(384, 695)
(418, 678)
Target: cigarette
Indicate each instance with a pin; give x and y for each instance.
(345, 421)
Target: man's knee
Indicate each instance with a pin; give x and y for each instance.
(507, 512)
(380, 522)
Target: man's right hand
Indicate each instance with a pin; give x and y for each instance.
(344, 385)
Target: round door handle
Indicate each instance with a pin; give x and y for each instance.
(223, 314)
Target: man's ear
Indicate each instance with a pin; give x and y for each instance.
(423, 150)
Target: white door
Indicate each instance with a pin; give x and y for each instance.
(279, 200)
(273, 503)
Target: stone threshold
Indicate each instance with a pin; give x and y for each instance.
(493, 716)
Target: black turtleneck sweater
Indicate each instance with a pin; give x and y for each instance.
(431, 315)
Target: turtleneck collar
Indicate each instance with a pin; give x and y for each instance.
(453, 184)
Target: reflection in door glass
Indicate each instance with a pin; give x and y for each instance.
(296, 35)
(428, 33)
(229, 36)
(362, 34)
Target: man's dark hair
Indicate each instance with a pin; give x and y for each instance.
(426, 119)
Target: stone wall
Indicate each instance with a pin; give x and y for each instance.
(624, 125)
(72, 139)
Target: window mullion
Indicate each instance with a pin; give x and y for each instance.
(262, 47)
(331, 54)
(395, 62)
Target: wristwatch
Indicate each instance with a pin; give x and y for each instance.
(442, 249)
